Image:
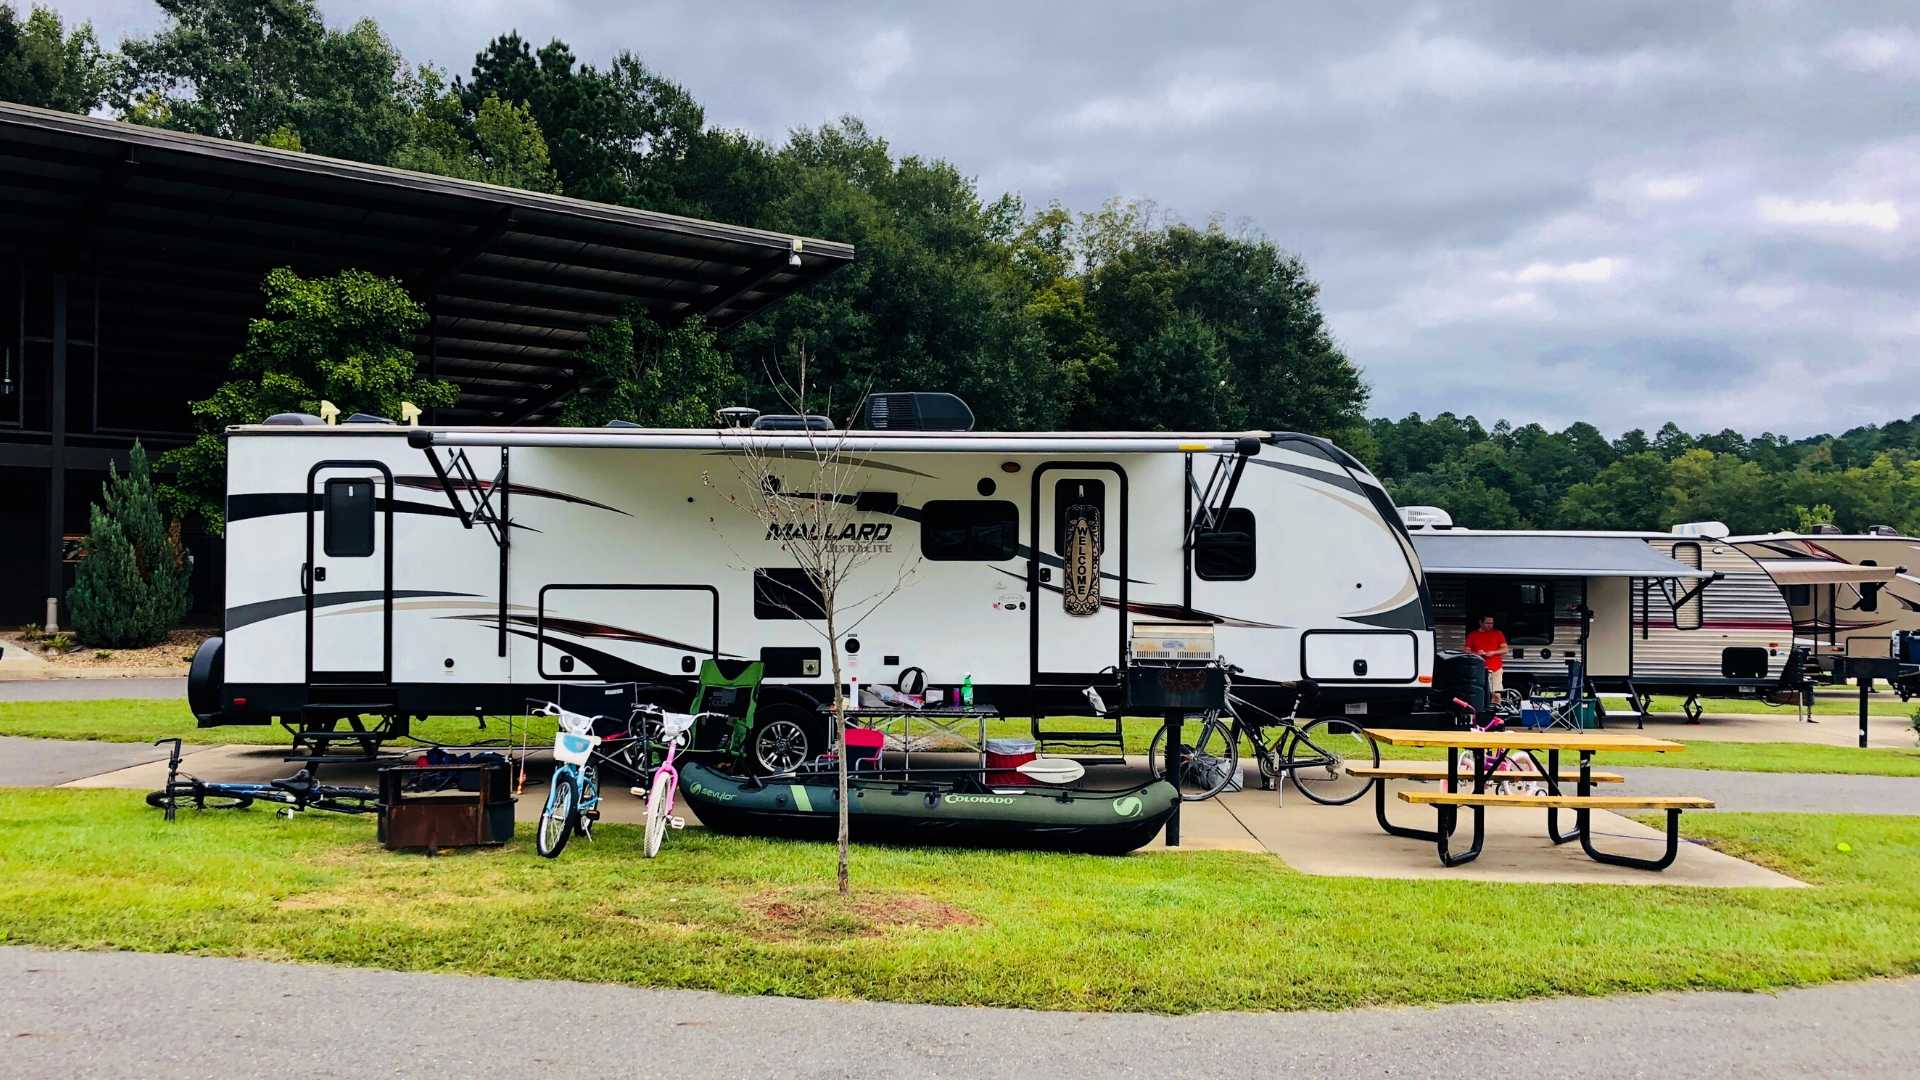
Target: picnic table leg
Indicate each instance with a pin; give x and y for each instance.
(1449, 814)
(1665, 860)
(1553, 814)
(1388, 827)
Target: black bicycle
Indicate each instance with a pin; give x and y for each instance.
(294, 793)
(1314, 755)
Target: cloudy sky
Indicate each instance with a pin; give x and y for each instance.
(1620, 211)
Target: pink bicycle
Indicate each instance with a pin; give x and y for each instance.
(1509, 772)
(664, 791)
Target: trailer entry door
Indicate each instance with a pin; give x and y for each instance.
(348, 573)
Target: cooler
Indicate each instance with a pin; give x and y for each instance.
(1004, 758)
(863, 746)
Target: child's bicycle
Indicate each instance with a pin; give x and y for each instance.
(573, 796)
(1502, 765)
(294, 793)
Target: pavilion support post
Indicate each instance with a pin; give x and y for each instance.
(1175, 721)
(57, 454)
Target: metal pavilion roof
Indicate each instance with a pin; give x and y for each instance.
(179, 229)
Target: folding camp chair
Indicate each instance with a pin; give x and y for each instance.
(729, 688)
(1565, 712)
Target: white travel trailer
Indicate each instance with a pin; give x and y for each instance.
(1644, 612)
(376, 570)
(1848, 592)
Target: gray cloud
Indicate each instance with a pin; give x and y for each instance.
(1622, 212)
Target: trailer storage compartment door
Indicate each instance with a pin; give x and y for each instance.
(1350, 656)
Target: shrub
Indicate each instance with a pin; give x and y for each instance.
(131, 585)
(60, 642)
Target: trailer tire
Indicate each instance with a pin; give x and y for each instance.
(784, 736)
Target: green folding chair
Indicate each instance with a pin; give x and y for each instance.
(729, 688)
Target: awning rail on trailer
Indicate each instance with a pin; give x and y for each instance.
(1507, 555)
(839, 442)
(1827, 572)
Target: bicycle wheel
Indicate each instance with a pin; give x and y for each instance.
(558, 818)
(1211, 758)
(657, 800)
(1316, 756)
(200, 800)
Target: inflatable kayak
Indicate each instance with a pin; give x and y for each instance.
(931, 812)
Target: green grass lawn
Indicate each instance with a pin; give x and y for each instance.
(1152, 931)
(141, 720)
(1825, 704)
(147, 719)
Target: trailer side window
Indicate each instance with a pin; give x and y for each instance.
(969, 530)
(1799, 595)
(348, 517)
(1687, 616)
(1226, 553)
(786, 592)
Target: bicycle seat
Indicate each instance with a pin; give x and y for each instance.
(300, 783)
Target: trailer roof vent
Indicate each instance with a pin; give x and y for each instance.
(1825, 529)
(1715, 530)
(366, 418)
(1882, 530)
(736, 416)
(788, 422)
(622, 424)
(915, 411)
(1425, 517)
(293, 419)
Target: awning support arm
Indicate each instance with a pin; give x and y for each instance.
(1207, 514)
(456, 473)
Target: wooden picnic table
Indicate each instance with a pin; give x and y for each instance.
(1482, 743)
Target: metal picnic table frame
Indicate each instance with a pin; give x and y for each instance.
(952, 723)
(1552, 742)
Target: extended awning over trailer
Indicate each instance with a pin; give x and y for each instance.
(1826, 572)
(1482, 554)
(858, 442)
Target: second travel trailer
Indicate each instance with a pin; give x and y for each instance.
(1848, 592)
(1644, 613)
(382, 570)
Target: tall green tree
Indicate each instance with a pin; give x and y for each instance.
(636, 370)
(44, 65)
(347, 338)
(131, 586)
(500, 143)
(255, 70)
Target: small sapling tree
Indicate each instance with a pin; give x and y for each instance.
(803, 488)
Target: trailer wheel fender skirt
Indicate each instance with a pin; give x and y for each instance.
(206, 682)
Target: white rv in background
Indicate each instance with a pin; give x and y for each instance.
(1848, 592)
(383, 570)
(1645, 613)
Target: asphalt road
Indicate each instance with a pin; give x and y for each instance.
(126, 1014)
(51, 762)
(92, 689)
(1795, 793)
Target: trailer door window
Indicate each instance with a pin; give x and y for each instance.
(969, 530)
(786, 592)
(348, 517)
(1226, 553)
(1687, 616)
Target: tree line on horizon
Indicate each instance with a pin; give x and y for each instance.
(1118, 318)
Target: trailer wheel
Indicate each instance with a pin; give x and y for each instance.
(784, 738)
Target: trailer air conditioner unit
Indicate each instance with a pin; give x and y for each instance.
(1425, 517)
(915, 412)
(1711, 530)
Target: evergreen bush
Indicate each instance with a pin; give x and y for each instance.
(131, 586)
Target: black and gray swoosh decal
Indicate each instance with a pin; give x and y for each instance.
(432, 483)
(262, 610)
(1339, 480)
(275, 503)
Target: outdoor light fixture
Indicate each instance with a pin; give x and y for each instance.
(6, 376)
(793, 253)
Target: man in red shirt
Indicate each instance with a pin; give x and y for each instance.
(1490, 645)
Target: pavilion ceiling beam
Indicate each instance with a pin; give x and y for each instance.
(461, 254)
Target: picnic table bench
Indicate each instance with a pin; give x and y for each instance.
(1582, 803)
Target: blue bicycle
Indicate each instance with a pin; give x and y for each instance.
(573, 797)
(294, 794)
